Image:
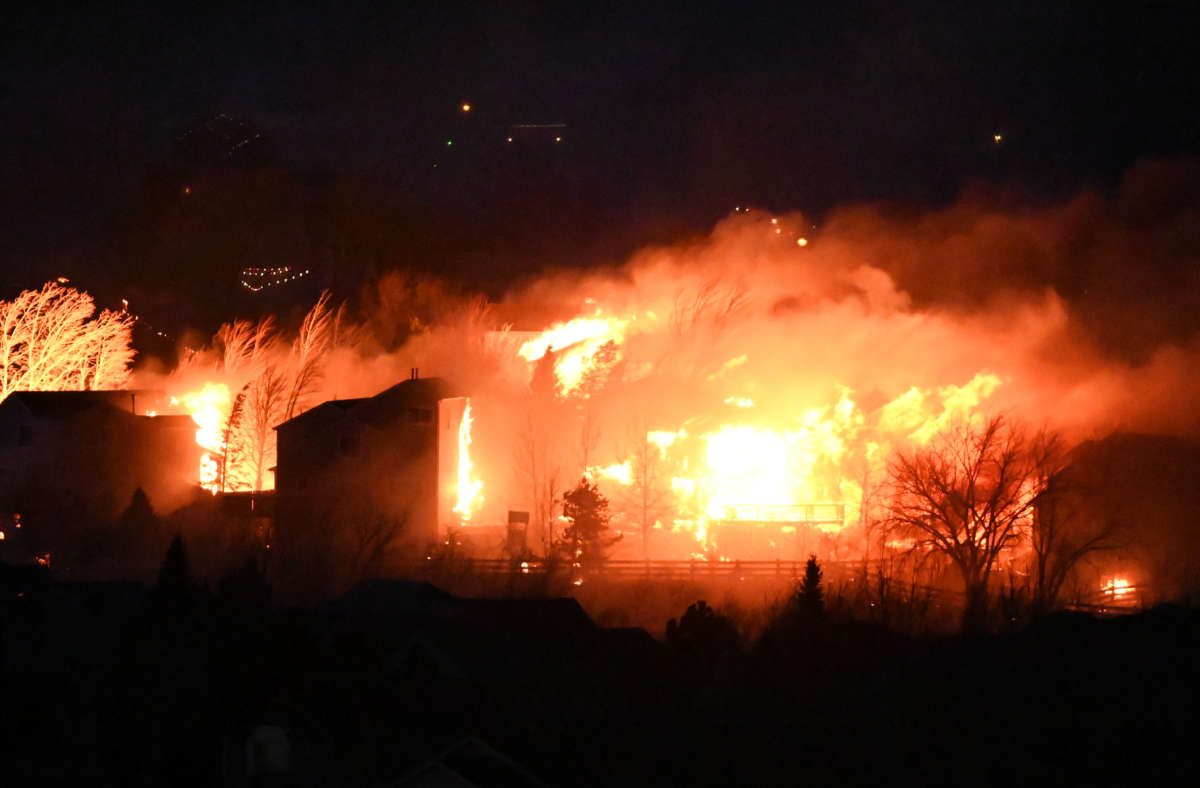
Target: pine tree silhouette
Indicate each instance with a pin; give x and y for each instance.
(810, 597)
(176, 589)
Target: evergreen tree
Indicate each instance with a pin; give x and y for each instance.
(135, 540)
(586, 540)
(809, 596)
(176, 589)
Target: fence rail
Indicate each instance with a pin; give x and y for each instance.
(1106, 601)
(625, 569)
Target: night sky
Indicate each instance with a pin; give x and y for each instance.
(674, 113)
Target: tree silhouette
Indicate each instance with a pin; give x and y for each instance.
(585, 540)
(967, 496)
(274, 381)
(137, 535)
(703, 632)
(809, 595)
(1060, 536)
(176, 588)
(649, 493)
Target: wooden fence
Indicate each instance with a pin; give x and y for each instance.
(639, 570)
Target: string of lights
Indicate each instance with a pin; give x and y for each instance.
(256, 280)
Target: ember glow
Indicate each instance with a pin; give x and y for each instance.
(1119, 589)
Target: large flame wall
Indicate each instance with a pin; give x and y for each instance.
(764, 373)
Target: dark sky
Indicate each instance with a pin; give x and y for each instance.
(673, 110)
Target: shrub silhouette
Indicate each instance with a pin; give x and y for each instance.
(703, 632)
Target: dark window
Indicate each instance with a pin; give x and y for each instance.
(420, 415)
(25, 435)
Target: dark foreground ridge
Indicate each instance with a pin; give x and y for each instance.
(400, 683)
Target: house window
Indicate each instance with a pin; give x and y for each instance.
(420, 415)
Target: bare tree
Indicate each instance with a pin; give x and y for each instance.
(536, 462)
(309, 351)
(967, 496)
(600, 368)
(245, 348)
(272, 387)
(1060, 536)
(51, 339)
(714, 303)
(538, 458)
(649, 492)
(250, 435)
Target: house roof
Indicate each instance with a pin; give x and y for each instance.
(61, 404)
(469, 763)
(389, 597)
(391, 403)
(332, 410)
(383, 408)
(527, 616)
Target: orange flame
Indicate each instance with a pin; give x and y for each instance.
(207, 407)
(469, 489)
(576, 342)
(1119, 588)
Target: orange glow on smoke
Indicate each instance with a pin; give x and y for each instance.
(207, 407)
(469, 489)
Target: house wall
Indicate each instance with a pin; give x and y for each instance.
(95, 459)
(349, 473)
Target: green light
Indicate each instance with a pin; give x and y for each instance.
(449, 142)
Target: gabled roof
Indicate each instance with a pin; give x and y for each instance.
(333, 410)
(391, 403)
(529, 616)
(62, 404)
(390, 597)
(469, 763)
(383, 408)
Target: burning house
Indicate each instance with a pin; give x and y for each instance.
(379, 476)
